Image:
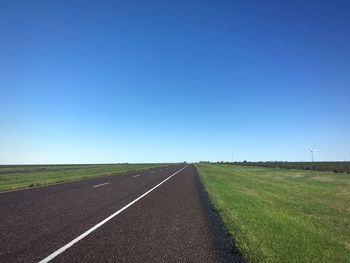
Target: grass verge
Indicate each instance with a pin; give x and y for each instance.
(19, 177)
(278, 215)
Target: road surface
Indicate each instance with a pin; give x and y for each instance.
(153, 215)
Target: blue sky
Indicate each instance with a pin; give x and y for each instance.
(159, 81)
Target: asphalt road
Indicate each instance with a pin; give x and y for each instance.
(154, 215)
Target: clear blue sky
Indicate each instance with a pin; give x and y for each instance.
(159, 81)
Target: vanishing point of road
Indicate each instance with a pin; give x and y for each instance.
(153, 215)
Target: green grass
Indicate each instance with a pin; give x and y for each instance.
(279, 215)
(338, 167)
(18, 176)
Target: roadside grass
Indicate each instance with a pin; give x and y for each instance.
(18, 177)
(279, 215)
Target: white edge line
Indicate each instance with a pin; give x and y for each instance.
(98, 185)
(77, 239)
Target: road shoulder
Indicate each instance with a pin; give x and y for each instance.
(226, 248)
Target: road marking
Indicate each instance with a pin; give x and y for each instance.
(98, 185)
(77, 239)
(152, 172)
(136, 175)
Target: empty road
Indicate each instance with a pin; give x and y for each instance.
(153, 215)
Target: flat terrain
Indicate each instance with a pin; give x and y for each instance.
(337, 167)
(168, 224)
(23, 176)
(280, 215)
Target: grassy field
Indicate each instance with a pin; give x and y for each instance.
(337, 167)
(280, 215)
(23, 176)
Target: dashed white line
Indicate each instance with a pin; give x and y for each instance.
(98, 185)
(136, 175)
(77, 239)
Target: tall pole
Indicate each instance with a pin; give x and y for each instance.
(312, 155)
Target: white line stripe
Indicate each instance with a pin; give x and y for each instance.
(98, 185)
(136, 175)
(77, 239)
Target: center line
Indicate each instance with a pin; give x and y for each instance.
(77, 239)
(98, 185)
(136, 175)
